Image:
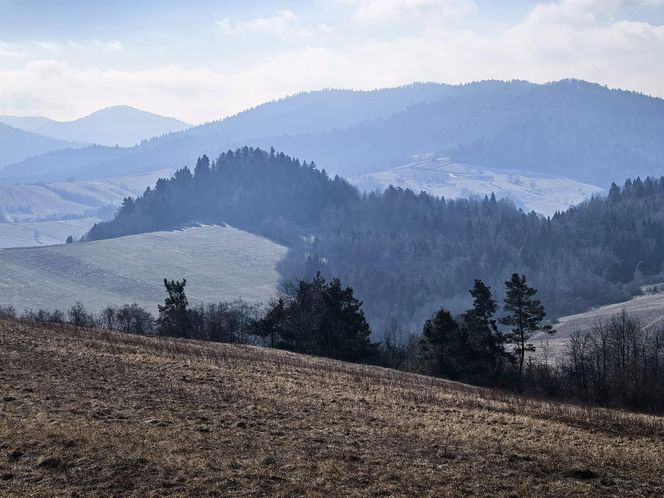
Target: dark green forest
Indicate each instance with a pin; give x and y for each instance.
(406, 253)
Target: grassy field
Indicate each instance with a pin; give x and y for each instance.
(219, 263)
(92, 413)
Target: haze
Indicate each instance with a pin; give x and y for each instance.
(204, 60)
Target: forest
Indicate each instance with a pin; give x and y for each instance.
(406, 253)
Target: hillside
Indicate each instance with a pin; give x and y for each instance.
(406, 253)
(544, 194)
(17, 145)
(105, 413)
(119, 125)
(219, 264)
(309, 112)
(26, 123)
(47, 213)
(43, 233)
(570, 128)
(60, 200)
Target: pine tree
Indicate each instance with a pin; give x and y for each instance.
(482, 328)
(437, 336)
(174, 319)
(525, 315)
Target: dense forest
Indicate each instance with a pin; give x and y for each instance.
(405, 253)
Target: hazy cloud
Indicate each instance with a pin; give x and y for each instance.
(427, 11)
(588, 39)
(283, 24)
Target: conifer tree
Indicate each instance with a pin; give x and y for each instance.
(525, 316)
(174, 319)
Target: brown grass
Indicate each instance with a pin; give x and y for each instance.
(90, 413)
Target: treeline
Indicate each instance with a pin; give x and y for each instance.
(617, 363)
(405, 253)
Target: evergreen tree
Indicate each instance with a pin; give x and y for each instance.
(319, 318)
(483, 331)
(345, 332)
(272, 323)
(525, 315)
(438, 335)
(174, 319)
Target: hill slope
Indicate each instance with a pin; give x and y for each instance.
(105, 413)
(17, 145)
(311, 112)
(575, 129)
(58, 200)
(26, 123)
(219, 264)
(544, 194)
(119, 125)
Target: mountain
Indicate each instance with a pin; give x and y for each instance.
(119, 125)
(579, 130)
(220, 263)
(303, 113)
(17, 145)
(26, 123)
(544, 194)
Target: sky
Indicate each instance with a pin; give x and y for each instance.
(202, 60)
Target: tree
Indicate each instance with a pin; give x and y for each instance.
(70, 240)
(271, 324)
(202, 170)
(174, 314)
(315, 317)
(525, 315)
(79, 317)
(344, 331)
(108, 318)
(438, 335)
(489, 342)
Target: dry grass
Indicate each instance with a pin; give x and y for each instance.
(89, 413)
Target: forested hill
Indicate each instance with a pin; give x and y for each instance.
(246, 188)
(406, 253)
(570, 128)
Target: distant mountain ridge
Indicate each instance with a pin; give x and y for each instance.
(118, 125)
(17, 145)
(570, 128)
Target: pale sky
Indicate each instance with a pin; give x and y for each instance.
(203, 60)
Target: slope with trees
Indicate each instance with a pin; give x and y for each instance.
(405, 253)
(570, 128)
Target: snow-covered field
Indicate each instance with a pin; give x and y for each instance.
(43, 233)
(219, 263)
(41, 202)
(46, 214)
(544, 194)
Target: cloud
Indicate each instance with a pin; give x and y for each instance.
(283, 24)
(588, 39)
(427, 11)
